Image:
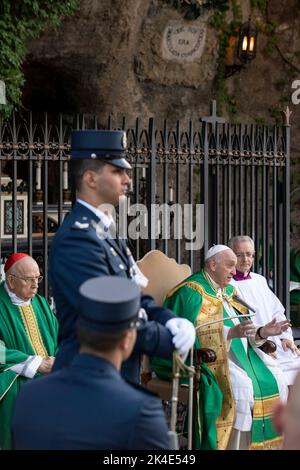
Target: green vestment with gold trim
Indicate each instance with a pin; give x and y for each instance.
(24, 332)
(197, 300)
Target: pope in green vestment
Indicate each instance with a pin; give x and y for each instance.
(197, 300)
(27, 331)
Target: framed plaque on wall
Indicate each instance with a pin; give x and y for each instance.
(6, 210)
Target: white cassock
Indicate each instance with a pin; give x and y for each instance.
(242, 388)
(257, 293)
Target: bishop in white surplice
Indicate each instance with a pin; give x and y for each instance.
(254, 289)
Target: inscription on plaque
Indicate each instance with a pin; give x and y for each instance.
(183, 42)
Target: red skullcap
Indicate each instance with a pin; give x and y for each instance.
(12, 259)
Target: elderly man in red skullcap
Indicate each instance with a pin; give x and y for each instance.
(28, 335)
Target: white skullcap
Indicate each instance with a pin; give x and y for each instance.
(216, 249)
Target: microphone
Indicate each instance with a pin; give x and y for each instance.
(244, 303)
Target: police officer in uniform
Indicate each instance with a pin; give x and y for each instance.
(88, 405)
(84, 247)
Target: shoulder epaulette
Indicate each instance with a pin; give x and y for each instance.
(81, 224)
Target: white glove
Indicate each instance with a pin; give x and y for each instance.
(183, 332)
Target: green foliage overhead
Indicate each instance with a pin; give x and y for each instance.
(21, 21)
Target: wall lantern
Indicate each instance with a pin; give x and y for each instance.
(241, 48)
(247, 43)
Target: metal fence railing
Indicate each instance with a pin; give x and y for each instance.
(227, 179)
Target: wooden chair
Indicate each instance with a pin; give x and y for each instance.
(163, 274)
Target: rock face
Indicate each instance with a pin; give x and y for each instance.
(114, 57)
(140, 58)
(89, 59)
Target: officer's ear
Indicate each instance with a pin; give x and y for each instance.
(89, 178)
(128, 341)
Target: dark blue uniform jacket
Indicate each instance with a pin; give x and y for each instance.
(88, 406)
(78, 253)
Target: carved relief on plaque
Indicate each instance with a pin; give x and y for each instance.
(183, 42)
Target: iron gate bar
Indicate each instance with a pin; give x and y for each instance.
(30, 186)
(190, 186)
(177, 198)
(286, 221)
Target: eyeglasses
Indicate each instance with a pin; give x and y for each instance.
(29, 280)
(245, 255)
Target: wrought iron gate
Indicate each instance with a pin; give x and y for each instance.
(226, 179)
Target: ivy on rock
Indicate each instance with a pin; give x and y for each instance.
(21, 21)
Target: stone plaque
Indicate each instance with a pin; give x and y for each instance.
(183, 42)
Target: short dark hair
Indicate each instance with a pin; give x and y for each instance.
(79, 166)
(99, 341)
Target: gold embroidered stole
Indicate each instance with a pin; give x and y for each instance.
(32, 330)
(212, 337)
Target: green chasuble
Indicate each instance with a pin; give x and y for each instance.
(24, 331)
(196, 299)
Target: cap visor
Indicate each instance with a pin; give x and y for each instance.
(120, 163)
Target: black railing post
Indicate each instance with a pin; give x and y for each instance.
(190, 190)
(60, 173)
(45, 207)
(30, 185)
(177, 218)
(205, 200)
(166, 183)
(213, 119)
(151, 185)
(286, 215)
(14, 189)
